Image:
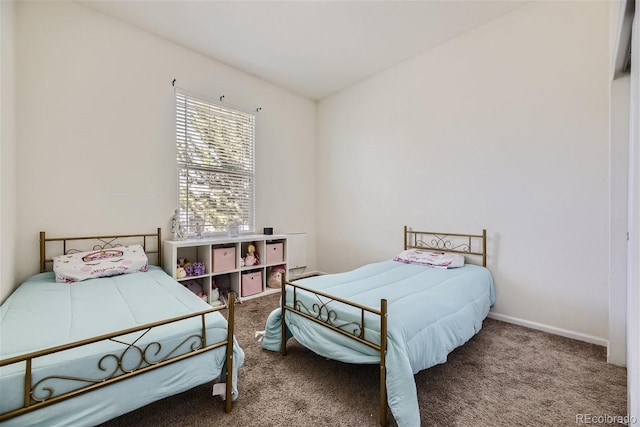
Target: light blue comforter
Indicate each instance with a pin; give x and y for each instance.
(42, 313)
(431, 311)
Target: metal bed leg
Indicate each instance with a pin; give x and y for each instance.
(283, 326)
(383, 362)
(228, 404)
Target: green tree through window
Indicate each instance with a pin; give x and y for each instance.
(216, 165)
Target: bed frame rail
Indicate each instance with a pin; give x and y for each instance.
(40, 394)
(321, 312)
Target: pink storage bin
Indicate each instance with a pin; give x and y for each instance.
(275, 253)
(251, 283)
(224, 259)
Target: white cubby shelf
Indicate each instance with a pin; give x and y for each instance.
(223, 260)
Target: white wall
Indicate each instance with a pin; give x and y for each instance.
(96, 130)
(8, 208)
(506, 128)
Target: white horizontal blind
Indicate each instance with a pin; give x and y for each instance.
(216, 164)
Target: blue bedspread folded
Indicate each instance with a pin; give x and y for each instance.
(42, 313)
(431, 311)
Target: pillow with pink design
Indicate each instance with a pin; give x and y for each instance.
(100, 263)
(431, 258)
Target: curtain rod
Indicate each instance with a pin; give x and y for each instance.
(221, 98)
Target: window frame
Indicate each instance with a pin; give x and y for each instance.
(222, 138)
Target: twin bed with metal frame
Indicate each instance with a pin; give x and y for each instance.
(403, 316)
(74, 353)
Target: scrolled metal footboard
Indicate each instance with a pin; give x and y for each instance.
(132, 359)
(322, 313)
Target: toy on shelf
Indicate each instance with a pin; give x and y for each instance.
(252, 257)
(198, 268)
(196, 288)
(177, 229)
(189, 269)
(186, 268)
(275, 276)
(215, 294)
(223, 284)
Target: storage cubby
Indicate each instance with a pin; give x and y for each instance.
(223, 259)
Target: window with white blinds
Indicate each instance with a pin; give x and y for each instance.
(216, 165)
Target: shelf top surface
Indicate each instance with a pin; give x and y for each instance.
(225, 239)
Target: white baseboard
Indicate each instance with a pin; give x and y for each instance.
(551, 329)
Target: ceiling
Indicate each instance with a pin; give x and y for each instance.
(313, 48)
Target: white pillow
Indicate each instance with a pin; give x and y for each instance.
(433, 259)
(101, 263)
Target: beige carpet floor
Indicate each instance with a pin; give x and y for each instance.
(506, 375)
